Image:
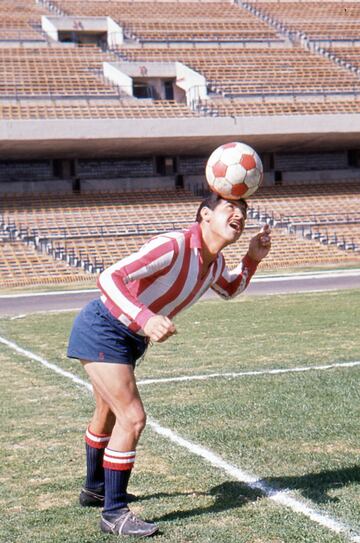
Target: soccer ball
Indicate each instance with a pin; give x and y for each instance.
(234, 170)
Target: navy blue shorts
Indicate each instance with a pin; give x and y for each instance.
(97, 336)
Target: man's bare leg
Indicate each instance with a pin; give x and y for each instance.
(116, 386)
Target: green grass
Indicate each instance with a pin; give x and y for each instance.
(249, 332)
(297, 430)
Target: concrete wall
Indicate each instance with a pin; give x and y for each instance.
(128, 184)
(311, 161)
(192, 182)
(52, 25)
(26, 187)
(322, 176)
(191, 82)
(114, 32)
(139, 137)
(116, 76)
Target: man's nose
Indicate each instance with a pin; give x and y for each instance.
(238, 214)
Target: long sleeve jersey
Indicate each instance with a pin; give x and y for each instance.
(164, 277)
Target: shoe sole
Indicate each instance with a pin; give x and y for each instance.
(104, 526)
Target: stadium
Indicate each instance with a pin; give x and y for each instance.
(109, 110)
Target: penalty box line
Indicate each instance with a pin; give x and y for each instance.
(281, 497)
(234, 375)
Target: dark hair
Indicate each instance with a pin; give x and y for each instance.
(213, 200)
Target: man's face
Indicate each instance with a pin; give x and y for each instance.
(227, 220)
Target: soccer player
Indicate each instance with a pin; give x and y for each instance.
(141, 295)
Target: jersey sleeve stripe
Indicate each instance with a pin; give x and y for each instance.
(142, 259)
(234, 282)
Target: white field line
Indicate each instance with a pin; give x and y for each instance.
(53, 367)
(42, 312)
(282, 497)
(234, 375)
(49, 293)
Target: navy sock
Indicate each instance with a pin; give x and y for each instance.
(116, 482)
(95, 445)
(94, 468)
(117, 469)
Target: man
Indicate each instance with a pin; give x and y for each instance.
(140, 296)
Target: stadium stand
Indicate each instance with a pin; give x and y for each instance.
(106, 110)
(317, 20)
(21, 265)
(54, 72)
(308, 201)
(20, 21)
(245, 108)
(176, 21)
(291, 251)
(288, 251)
(50, 238)
(234, 72)
(55, 210)
(92, 231)
(350, 56)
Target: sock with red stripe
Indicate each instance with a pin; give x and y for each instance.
(117, 469)
(95, 445)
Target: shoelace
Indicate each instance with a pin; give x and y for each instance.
(134, 518)
(130, 516)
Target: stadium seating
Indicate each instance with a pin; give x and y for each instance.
(229, 44)
(292, 251)
(285, 203)
(176, 21)
(350, 55)
(118, 109)
(239, 107)
(94, 230)
(54, 72)
(20, 21)
(59, 211)
(234, 72)
(337, 234)
(21, 265)
(317, 20)
(63, 72)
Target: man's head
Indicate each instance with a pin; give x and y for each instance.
(213, 200)
(222, 221)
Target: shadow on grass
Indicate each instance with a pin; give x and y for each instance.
(316, 486)
(233, 494)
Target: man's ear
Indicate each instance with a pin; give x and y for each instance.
(205, 214)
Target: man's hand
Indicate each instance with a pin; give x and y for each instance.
(159, 328)
(260, 244)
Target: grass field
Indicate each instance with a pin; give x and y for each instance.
(297, 430)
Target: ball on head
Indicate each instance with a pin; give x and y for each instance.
(234, 170)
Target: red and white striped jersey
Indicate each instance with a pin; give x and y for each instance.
(164, 277)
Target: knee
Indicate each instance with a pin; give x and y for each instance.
(139, 424)
(134, 424)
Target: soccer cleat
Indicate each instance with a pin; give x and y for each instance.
(124, 522)
(95, 498)
(92, 498)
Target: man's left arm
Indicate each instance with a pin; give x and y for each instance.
(231, 283)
